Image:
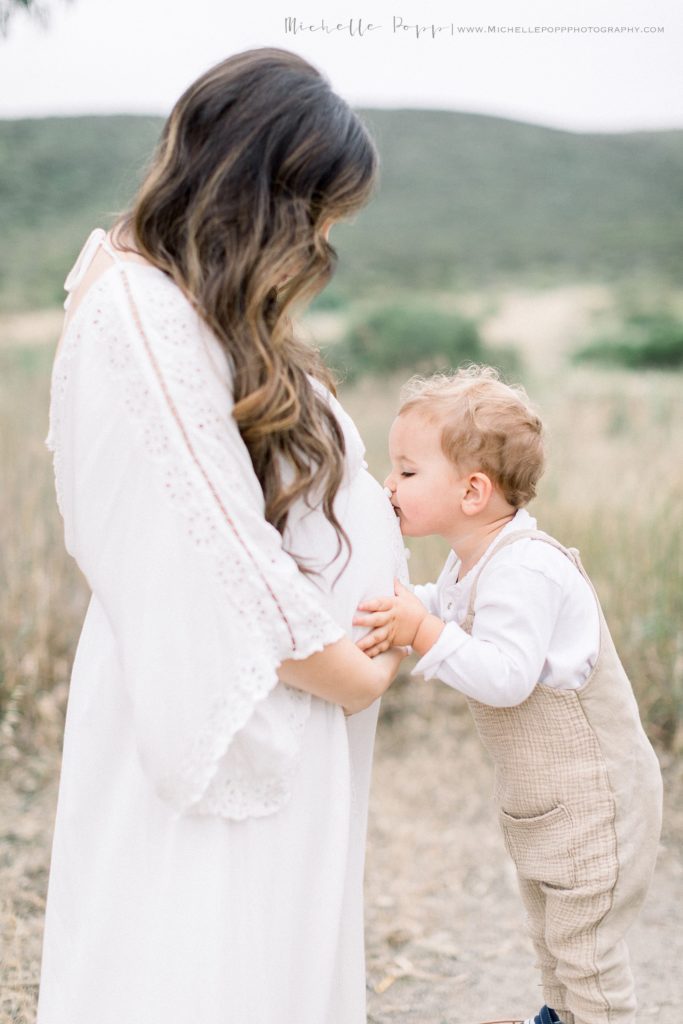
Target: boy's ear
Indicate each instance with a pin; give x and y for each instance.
(478, 493)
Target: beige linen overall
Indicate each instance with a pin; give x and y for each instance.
(579, 793)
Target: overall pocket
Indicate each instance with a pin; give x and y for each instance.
(541, 847)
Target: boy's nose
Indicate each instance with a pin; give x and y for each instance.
(389, 483)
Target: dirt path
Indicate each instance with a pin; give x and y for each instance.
(444, 925)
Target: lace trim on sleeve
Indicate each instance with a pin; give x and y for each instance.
(218, 773)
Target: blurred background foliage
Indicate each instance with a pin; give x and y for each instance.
(39, 10)
(59, 177)
(553, 255)
(644, 339)
(10, 7)
(464, 200)
(415, 336)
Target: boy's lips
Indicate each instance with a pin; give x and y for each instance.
(396, 508)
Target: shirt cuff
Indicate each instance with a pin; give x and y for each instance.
(451, 640)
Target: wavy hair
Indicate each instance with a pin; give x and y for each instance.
(257, 158)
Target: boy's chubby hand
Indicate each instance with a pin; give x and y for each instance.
(393, 621)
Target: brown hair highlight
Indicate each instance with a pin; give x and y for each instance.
(257, 157)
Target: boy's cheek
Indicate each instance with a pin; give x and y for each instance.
(405, 529)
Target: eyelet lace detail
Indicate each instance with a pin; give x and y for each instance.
(216, 774)
(58, 386)
(60, 378)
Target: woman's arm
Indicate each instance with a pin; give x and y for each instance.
(342, 674)
(164, 514)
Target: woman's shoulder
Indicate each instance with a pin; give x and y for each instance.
(134, 334)
(109, 289)
(137, 308)
(142, 289)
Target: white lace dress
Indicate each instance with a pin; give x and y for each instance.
(208, 849)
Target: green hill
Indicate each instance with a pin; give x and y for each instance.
(463, 199)
(466, 198)
(59, 178)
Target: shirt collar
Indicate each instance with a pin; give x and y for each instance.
(521, 520)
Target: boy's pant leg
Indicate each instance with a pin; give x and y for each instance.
(554, 992)
(585, 934)
(586, 925)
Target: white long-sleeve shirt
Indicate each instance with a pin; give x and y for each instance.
(536, 621)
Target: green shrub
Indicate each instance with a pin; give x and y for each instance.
(329, 300)
(414, 336)
(506, 360)
(646, 340)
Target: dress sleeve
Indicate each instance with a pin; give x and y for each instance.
(165, 517)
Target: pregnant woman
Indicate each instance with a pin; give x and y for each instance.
(208, 851)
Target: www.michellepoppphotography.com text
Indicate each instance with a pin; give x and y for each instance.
(360, 28)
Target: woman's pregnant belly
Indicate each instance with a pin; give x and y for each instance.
(377, 553)
(271, 742)
(377, 556)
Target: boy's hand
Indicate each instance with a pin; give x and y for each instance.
(393, 621)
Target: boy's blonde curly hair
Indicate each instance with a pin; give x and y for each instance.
(488, 426)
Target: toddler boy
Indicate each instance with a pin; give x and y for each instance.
(514, 624)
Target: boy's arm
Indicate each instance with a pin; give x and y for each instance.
(428, 632)
(501, 662)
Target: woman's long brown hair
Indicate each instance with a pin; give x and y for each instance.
(256, 158)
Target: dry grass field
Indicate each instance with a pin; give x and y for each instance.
(445, 942)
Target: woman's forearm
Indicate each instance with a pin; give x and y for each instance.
(342, 674)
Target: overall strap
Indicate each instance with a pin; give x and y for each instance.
(571, 553)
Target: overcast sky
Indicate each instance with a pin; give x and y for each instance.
(111, 56)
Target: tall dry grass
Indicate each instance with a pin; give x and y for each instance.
(613, 489)
(42, 596)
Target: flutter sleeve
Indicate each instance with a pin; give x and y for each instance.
(165, 517)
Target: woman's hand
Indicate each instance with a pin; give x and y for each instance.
(392, 620)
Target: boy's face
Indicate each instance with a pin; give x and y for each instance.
(427, 489)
